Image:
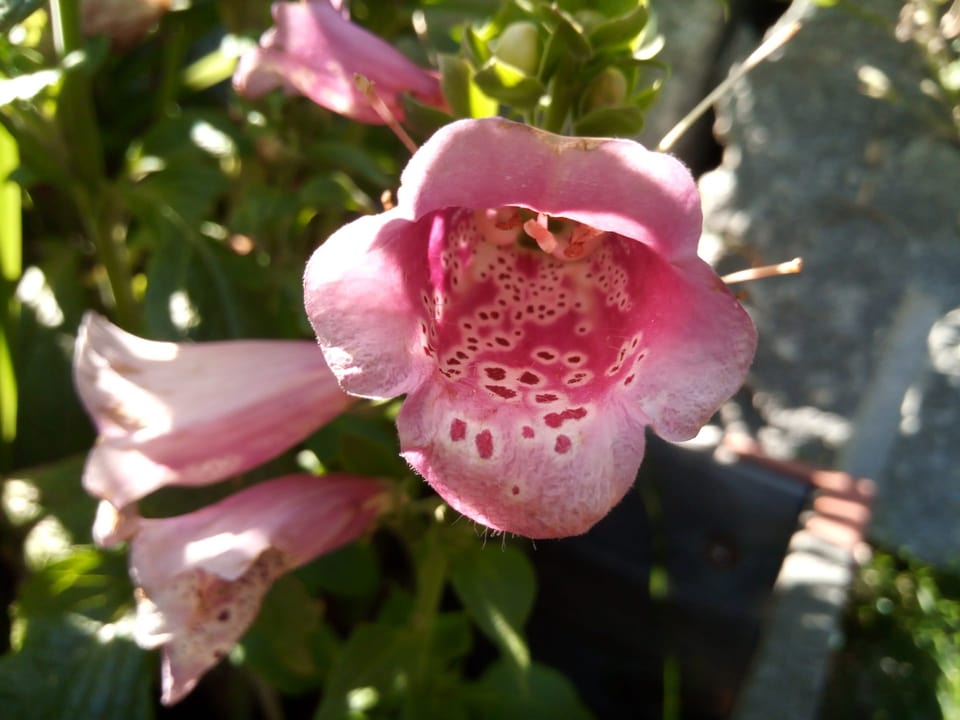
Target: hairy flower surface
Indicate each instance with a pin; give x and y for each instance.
(201, 577)
(540, 301)
(192, 414)
(314, 51)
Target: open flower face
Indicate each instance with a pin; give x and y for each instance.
(313, 50)
(540, 300)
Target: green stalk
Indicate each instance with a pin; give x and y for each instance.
(431, 563)
(92, 194)
(11, 266)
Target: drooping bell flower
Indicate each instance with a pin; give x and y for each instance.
(192, 414)
(540, 301)
(202, 576)
(314, 51)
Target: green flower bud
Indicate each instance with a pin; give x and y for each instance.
(607, 89)
(519, 46)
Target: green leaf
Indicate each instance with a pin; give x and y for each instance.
(497, 587)
(289, 644)
(88, 582)
(11, 266)
(352, 571)
(369, 672)
(567, 47)
(505, 83)
(423, 120)
(13, 11)
(60, 493)
(619, 31)
(71, 667)
(539, 693)
(463, 95)
(622, 121)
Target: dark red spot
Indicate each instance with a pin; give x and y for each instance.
(527, 431)
(502, 341)
(546, 398)
(562, 445)
(529, 378)
(462, 355)
(574, 359)
(458, 430)
(502, 391)
(515, 490)
(555, 420)
(628, 379)
(495, 373)
(484, 441)
(453, 361)
(223, 615)
(544, 355)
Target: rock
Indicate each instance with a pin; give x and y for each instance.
(867, 191)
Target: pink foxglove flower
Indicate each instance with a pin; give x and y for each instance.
(314, 51)
(540, 301)
(201, 576)
(192, 414)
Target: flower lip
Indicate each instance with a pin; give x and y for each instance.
(608, 184)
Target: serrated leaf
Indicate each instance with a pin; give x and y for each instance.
(70, 667)
(497, 587)
(539, 693)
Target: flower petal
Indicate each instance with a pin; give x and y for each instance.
(201, 576)
(697, 345)
(192, 414)
(612, 185)
(538, 473)
(314, 50)
(358, 295)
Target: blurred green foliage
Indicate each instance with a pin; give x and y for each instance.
(901, 655)
(154, 194)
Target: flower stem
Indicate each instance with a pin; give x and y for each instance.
(431, 562)
(78, 126)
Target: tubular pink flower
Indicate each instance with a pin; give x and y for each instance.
(192, 414)
(540, 300)
(315, 51)
(201, 576)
